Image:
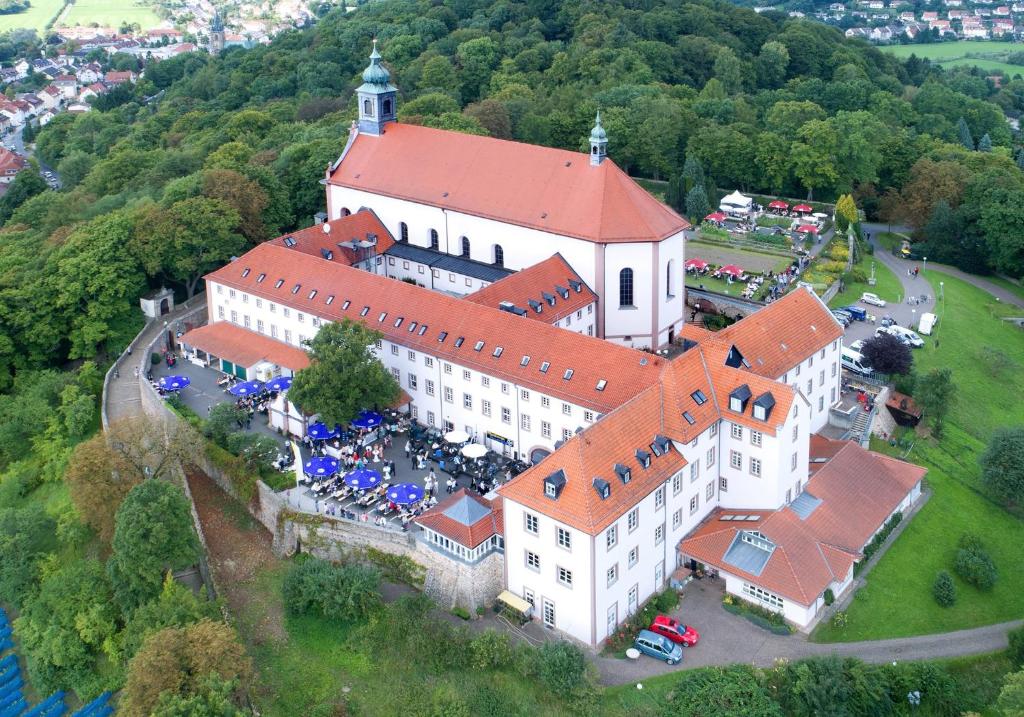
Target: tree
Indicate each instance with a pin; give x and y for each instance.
(255, 449)
(215, 697)
(192, 237)
(243, 195)
(346, 593)
(965, 133)
(97, 485)
(561, 666)
(693, 174)
(942, 232)
(223, 420)
(179, 661)
(974, 564)
(493, 117)
(153, 533)
(846, 212)
(74, 168)
(1011, 697)
(1002, 465)
(147, 447)
(771, 64)
(675, 196)
(344, 375)
(728, 70)
(944, 589)
(27, 183)
(985, 143)
(176, 606)
(935, 392)
(697, 204)
(25, 534)
(77, 412)
(66, 626)
(887, 354)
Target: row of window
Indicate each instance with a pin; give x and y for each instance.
(497, 253)
(246, 322)
(626, 284)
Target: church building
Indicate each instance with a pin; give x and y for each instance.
(514, 205)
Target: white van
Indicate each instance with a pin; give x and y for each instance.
(928, 322)
(855, 361)
(909, 337)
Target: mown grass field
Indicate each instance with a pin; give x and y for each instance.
(35, 18)
(986, 356)
(887, 285)
(988, 55)
(110, 13)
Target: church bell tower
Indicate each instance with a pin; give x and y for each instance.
(377, 97)
(598, 142)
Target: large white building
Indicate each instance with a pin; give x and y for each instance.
(509, 284)
(513, 205)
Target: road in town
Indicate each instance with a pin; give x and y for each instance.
(15, 142)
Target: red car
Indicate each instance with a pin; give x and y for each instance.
(675, 631)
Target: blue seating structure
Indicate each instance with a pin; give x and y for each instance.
(99, 707)
(12, 698)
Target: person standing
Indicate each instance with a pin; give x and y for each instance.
(408, 448)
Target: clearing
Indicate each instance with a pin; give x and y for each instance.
(988, 55)
(110, 13)
(986, 356)
(39, 13)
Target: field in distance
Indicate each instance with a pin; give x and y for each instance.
(109, 13)
(38, 14)
(990, 55)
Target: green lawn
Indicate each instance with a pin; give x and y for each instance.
(890, 240)
(949, 50)
(110, 13)
(986, 356)
(38, 14)
(887, 285)
(993, 66)
(1006, 284)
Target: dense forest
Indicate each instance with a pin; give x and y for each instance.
(228, 151)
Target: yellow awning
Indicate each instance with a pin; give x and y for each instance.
(515, 602)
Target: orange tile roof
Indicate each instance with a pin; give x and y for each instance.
(626, 371)
(784, 333)
(858, 490)
(470, 536)
(244, 347)
(356, 227)
(552, 190)
(553, 277)
(800, 567)
(11, 162)
(659, 410)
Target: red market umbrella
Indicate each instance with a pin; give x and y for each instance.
(778, 204)
(803, 208)
(807, 229)
(731, 269)
(715, 217)
(698, 264)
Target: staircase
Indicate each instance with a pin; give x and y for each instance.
(860, 430)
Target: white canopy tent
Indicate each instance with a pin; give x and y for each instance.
(736, 204)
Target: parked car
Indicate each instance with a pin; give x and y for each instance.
(675, 630)
(905, 335)
(868, 298)
(659, 646)
(844, 313)
(857, 312)
(857, 345)
(854, 361)
(887, 321)
(843, 319)
(927, 324)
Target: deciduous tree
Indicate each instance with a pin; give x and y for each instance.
(887, 354)
(344, 376)
(97, 485)
(1002, 465)
(934, 393)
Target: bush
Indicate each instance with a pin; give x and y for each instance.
(491, 650)
(561, 666)
(840, 619)
(1016, 651)
(398, 568)
(155, 358)
(459, 611)
(336, 592)
(973, 563)
(944, 590)
(876, 542)
(829, 596)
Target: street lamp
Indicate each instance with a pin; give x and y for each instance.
(925, 268)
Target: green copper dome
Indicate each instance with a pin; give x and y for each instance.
(597, 134)
(376, 73)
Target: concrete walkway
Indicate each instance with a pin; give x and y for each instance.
(728, 639)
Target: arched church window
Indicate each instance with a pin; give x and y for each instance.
(368, 108)
(465, 247)
(403, 231)
(669, 272)
(434, 244)
(499, 255)
(626, 287)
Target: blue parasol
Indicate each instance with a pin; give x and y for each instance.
(405, 494)
(174, 383)
(367, 420)
(363, 479)
(320, 432)
(321, 466)
(281, 383)
(246, 388)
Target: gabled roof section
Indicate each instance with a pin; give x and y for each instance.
(448, 262)
(244, 347)
(341, 239)
(552, 190)
(333, 291)
(784, 333)
(552, 276)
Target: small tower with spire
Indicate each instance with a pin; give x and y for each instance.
(598, 142)
(376, 96)
(217, 34)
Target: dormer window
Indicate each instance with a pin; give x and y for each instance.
(459, 341)
(412, 326)
(623, 473)
(577, 286)
(295, 289)
(601, 384)
(365, 311)
(689, 417)
(660, 445)
(398, 321)
(568, 374)
(698, 397)
(525, 361)
(260, 278)
(554, 484)
(738, 398)
(643, 458)
(763, 406)
(544, 366)
(245, 272)
(442, 336)
(345, 304)
(478, 345)
(497, 351)
(535, 305)
(562, 291)
(550, 298)
(279, 283)
(603, 488)
(383, 315)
